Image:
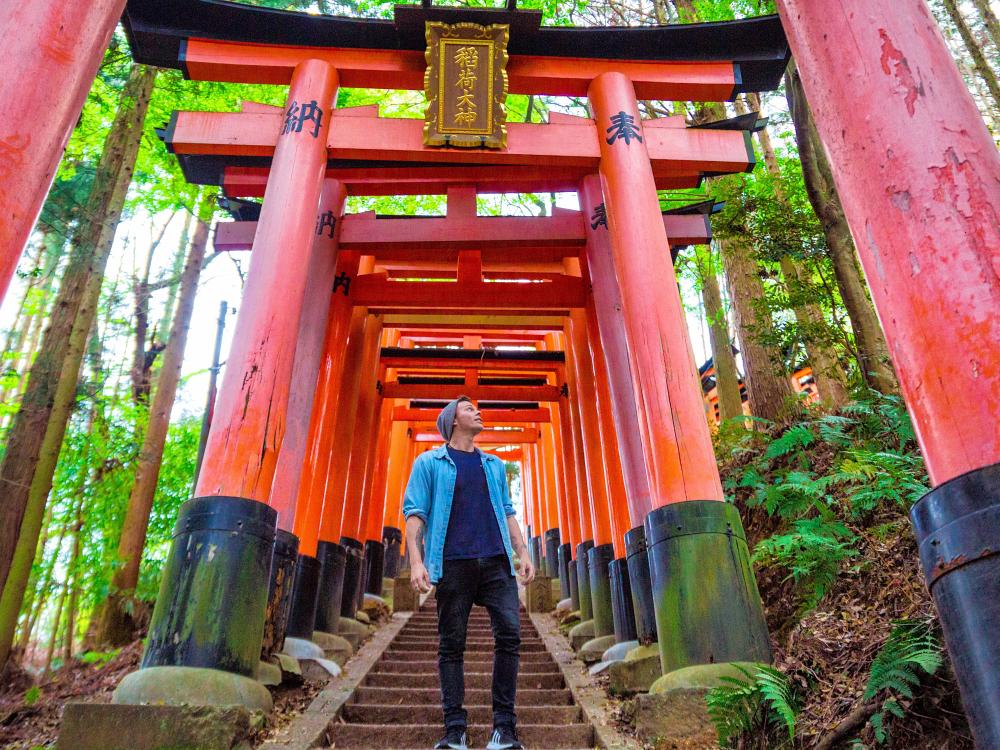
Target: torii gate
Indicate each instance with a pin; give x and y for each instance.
(935, 192)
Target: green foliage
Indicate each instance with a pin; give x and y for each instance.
(753, 706)
(32, 695)
(813, 552)
(100, 658)
(911, 651)
(874, 468)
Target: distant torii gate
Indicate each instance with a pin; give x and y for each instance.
(924, 212)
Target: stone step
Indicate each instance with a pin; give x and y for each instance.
(472, 680)
(408, 714)
(396, 696)
(430, 666)
(471, 644)
(377, 736)
(409, 654)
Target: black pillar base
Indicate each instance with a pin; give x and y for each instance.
(213, 594)
(565, 561)
(302, 619)
(621, 601)
(957, 525)
(583, 579)
(552, 569)
(574, 586)
(392, 538)
(598, 560)
(279, 592)
(332, 558)
(535, 552)
(374, 564)
(707, 606)
(353, 575)
(642, 588)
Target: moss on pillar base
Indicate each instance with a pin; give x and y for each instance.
(707, 606)
(180, 686)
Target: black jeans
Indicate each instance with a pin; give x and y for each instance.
(485, 581)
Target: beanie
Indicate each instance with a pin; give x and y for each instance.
(446, 419)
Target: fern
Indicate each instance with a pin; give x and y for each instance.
(910, 649)
(755, 704)
(812, 552)
(794, 438)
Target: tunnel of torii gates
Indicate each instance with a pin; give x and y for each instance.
(567, 329)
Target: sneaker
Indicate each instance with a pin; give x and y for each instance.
(504, 738)
(453, 740)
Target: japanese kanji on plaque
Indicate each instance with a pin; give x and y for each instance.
(466, 85)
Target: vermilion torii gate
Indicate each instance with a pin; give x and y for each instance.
(931, 199)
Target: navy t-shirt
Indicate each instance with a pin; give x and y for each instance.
(472, 526)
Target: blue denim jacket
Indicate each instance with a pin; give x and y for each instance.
(429, 494)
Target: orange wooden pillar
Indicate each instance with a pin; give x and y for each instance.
(690, 534)
(917, 175)
(565, 487)
(52, 51)
(250, 413)
(362, 441)
(376, 481)
(552, 535)
(603, 551)
(400, 452)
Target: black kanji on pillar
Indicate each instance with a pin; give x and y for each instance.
(326, 220)
(297, 115)
(599, 217)
(343, 280)
(623, 126)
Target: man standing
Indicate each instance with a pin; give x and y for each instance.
(457, 508)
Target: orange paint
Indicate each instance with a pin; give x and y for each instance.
(249, 419)
(672, 418)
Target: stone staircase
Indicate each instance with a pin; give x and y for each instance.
(398, 703)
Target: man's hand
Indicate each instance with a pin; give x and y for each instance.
(525, 570)
(420, 579)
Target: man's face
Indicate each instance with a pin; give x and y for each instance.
(468, 419)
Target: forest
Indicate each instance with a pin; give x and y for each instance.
(119, 319)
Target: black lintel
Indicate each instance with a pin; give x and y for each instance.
(519, 405)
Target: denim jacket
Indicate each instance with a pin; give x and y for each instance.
(429, 494)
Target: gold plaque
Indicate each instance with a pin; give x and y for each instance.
(466, 85)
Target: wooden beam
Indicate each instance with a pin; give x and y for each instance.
(447, 392)
(672, 150)
(490, 416)
(379, 293)
(542, 238)
(461, 321)
(488, 437)
(249, 182)
(209, 60)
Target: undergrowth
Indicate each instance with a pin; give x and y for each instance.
(825, 503)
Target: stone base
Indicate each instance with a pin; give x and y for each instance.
(179, 686)
(388, 587)
(320, 670)
(352, 630)
(268, 674)
(362, 616)
(291, 670)
(593, 650)
(702, 676)
(580, 634)
(300, 648)
(564, 605)
(404, 598)
(637, 672)
(335, 647)
(556, 589)
(103, 726)
(677, 716)
(538, 595)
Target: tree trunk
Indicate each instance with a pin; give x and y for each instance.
(37, 433)
(146, 347)
(767, 384)
(873, 351)
(176, 269)
(116, 625)
(726, 377)
(989, 20)
(831, 380)
(975, 51)
(73, 581)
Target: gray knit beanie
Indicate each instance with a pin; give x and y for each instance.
(446, 419)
